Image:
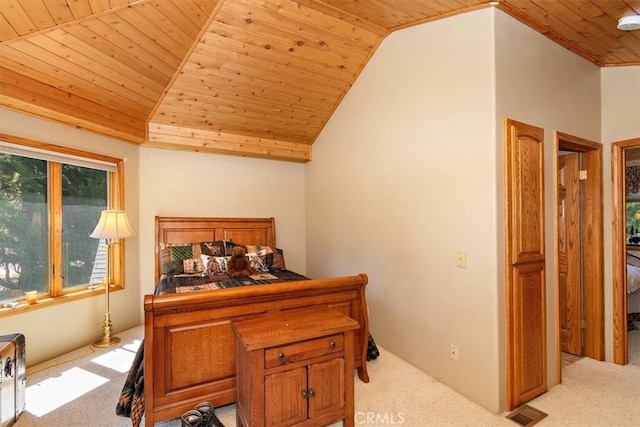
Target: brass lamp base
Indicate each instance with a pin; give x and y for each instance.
(106, 342)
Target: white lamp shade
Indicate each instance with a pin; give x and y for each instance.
(113, 224)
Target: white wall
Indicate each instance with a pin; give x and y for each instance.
(180, 183)
(620, 103)
(59, 328)
(620, 121)
(410, 170)
(402, 177)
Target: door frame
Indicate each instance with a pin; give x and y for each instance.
(619, 238)
(593, 247)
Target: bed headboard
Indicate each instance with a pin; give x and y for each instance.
(247, 231)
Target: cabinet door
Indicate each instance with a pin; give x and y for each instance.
(285, 402)
(326, 387)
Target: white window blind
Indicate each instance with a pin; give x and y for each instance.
(58, 157)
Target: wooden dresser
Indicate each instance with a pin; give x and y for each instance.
(295, 368)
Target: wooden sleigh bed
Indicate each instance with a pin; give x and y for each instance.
(189, 353)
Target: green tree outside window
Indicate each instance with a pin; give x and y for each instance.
(32, 192)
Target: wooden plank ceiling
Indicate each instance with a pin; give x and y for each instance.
(255, 78)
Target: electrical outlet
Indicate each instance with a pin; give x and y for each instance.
(461, 259)
(453, 352)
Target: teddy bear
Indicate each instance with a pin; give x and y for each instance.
(238, 265)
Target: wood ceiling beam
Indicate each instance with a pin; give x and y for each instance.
(180, 138)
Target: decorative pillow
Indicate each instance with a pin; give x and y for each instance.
(172, 267)
(193, 265)
(216, 248)
(174, 251)
(213, 268)
(214, 264)
(263, 250)
(182, 252)
(229, 245)
(257, 262)
(172, 257)
(191, 254)
(278, 260)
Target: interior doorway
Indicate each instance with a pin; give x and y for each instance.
(620, 330)
(579, 248)
(569, 241)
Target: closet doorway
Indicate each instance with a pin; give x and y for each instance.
(620, 330)
(569, 243)
(579, 249)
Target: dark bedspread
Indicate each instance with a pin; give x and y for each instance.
(191, 283)
(131, 401)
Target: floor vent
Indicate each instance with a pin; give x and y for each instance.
(526, 416)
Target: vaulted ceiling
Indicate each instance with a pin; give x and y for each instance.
(255, 78)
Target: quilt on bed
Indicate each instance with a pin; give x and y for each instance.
(191, 283)
(131, 401)
(633, 290)
(633, 273)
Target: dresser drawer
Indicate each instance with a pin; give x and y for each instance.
(292, 353)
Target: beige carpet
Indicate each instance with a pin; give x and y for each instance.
(592, 394)
(633, 344)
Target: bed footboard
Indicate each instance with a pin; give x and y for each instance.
(189, 341)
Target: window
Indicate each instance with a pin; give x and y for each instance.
(50, 201)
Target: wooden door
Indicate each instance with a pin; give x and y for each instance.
(569, 250)
(285, 401)
(591, 246)
(525, 263)
(326, 387)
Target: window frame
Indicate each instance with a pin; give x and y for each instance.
(115, 200)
